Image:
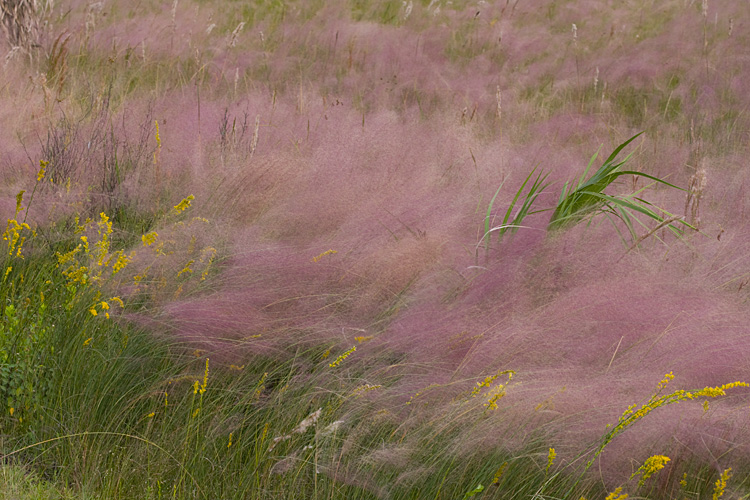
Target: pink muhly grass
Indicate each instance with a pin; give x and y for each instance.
(363, 148)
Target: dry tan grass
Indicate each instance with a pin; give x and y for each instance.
(20, 20)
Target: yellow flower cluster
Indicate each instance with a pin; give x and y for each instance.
(261, 386)
(493, 396)
(42, 169)
(19, 202)
(499, 473)
(666, 380)
(158, 144)
(363, 389)
(631, 415)
(78, 270)
(120, 261)
(13, 233)
(14, 236)
(721, 483)
(187, 268)
(487, 382)
(327, 252)
(184, 204)
(551, 455)
(75, 272)
(149, 238)
(713, 392)
(651, 466)
(616, 495)
(104, 227)
(208, 255)
(205, 379)
(342, 357)
(104, 306)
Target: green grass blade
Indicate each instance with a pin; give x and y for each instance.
(621, 147)
(487, 217)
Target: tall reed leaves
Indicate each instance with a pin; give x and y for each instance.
(512, 225)
(587, 198)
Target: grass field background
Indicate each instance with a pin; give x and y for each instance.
(307, 249)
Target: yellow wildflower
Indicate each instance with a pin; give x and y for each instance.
(487, 382)
(229, 445)
(184, 204)
(187, 268)
(494, 395)
(93, 311)
(151, 415)
(149, 238)
(261, 386)
(342, 357)
(666, 380)
(88, 341)
(657, 400)
(43, 167)
(721, 483)
(121, 261)
(19, 201)
(499, 473)
(551, 455)
(205, 379)
(209, 252)
(327, 252)
(365, 388)
(615, 495)
(12, 235)
(651, 466)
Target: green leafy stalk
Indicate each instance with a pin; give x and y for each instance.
(587, 197)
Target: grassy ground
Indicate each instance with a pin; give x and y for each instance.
(352, 249)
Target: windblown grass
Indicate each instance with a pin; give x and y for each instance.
(245, 264)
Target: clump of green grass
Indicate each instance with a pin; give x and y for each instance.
(113, 411)
(512, 221)
(585, 199)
